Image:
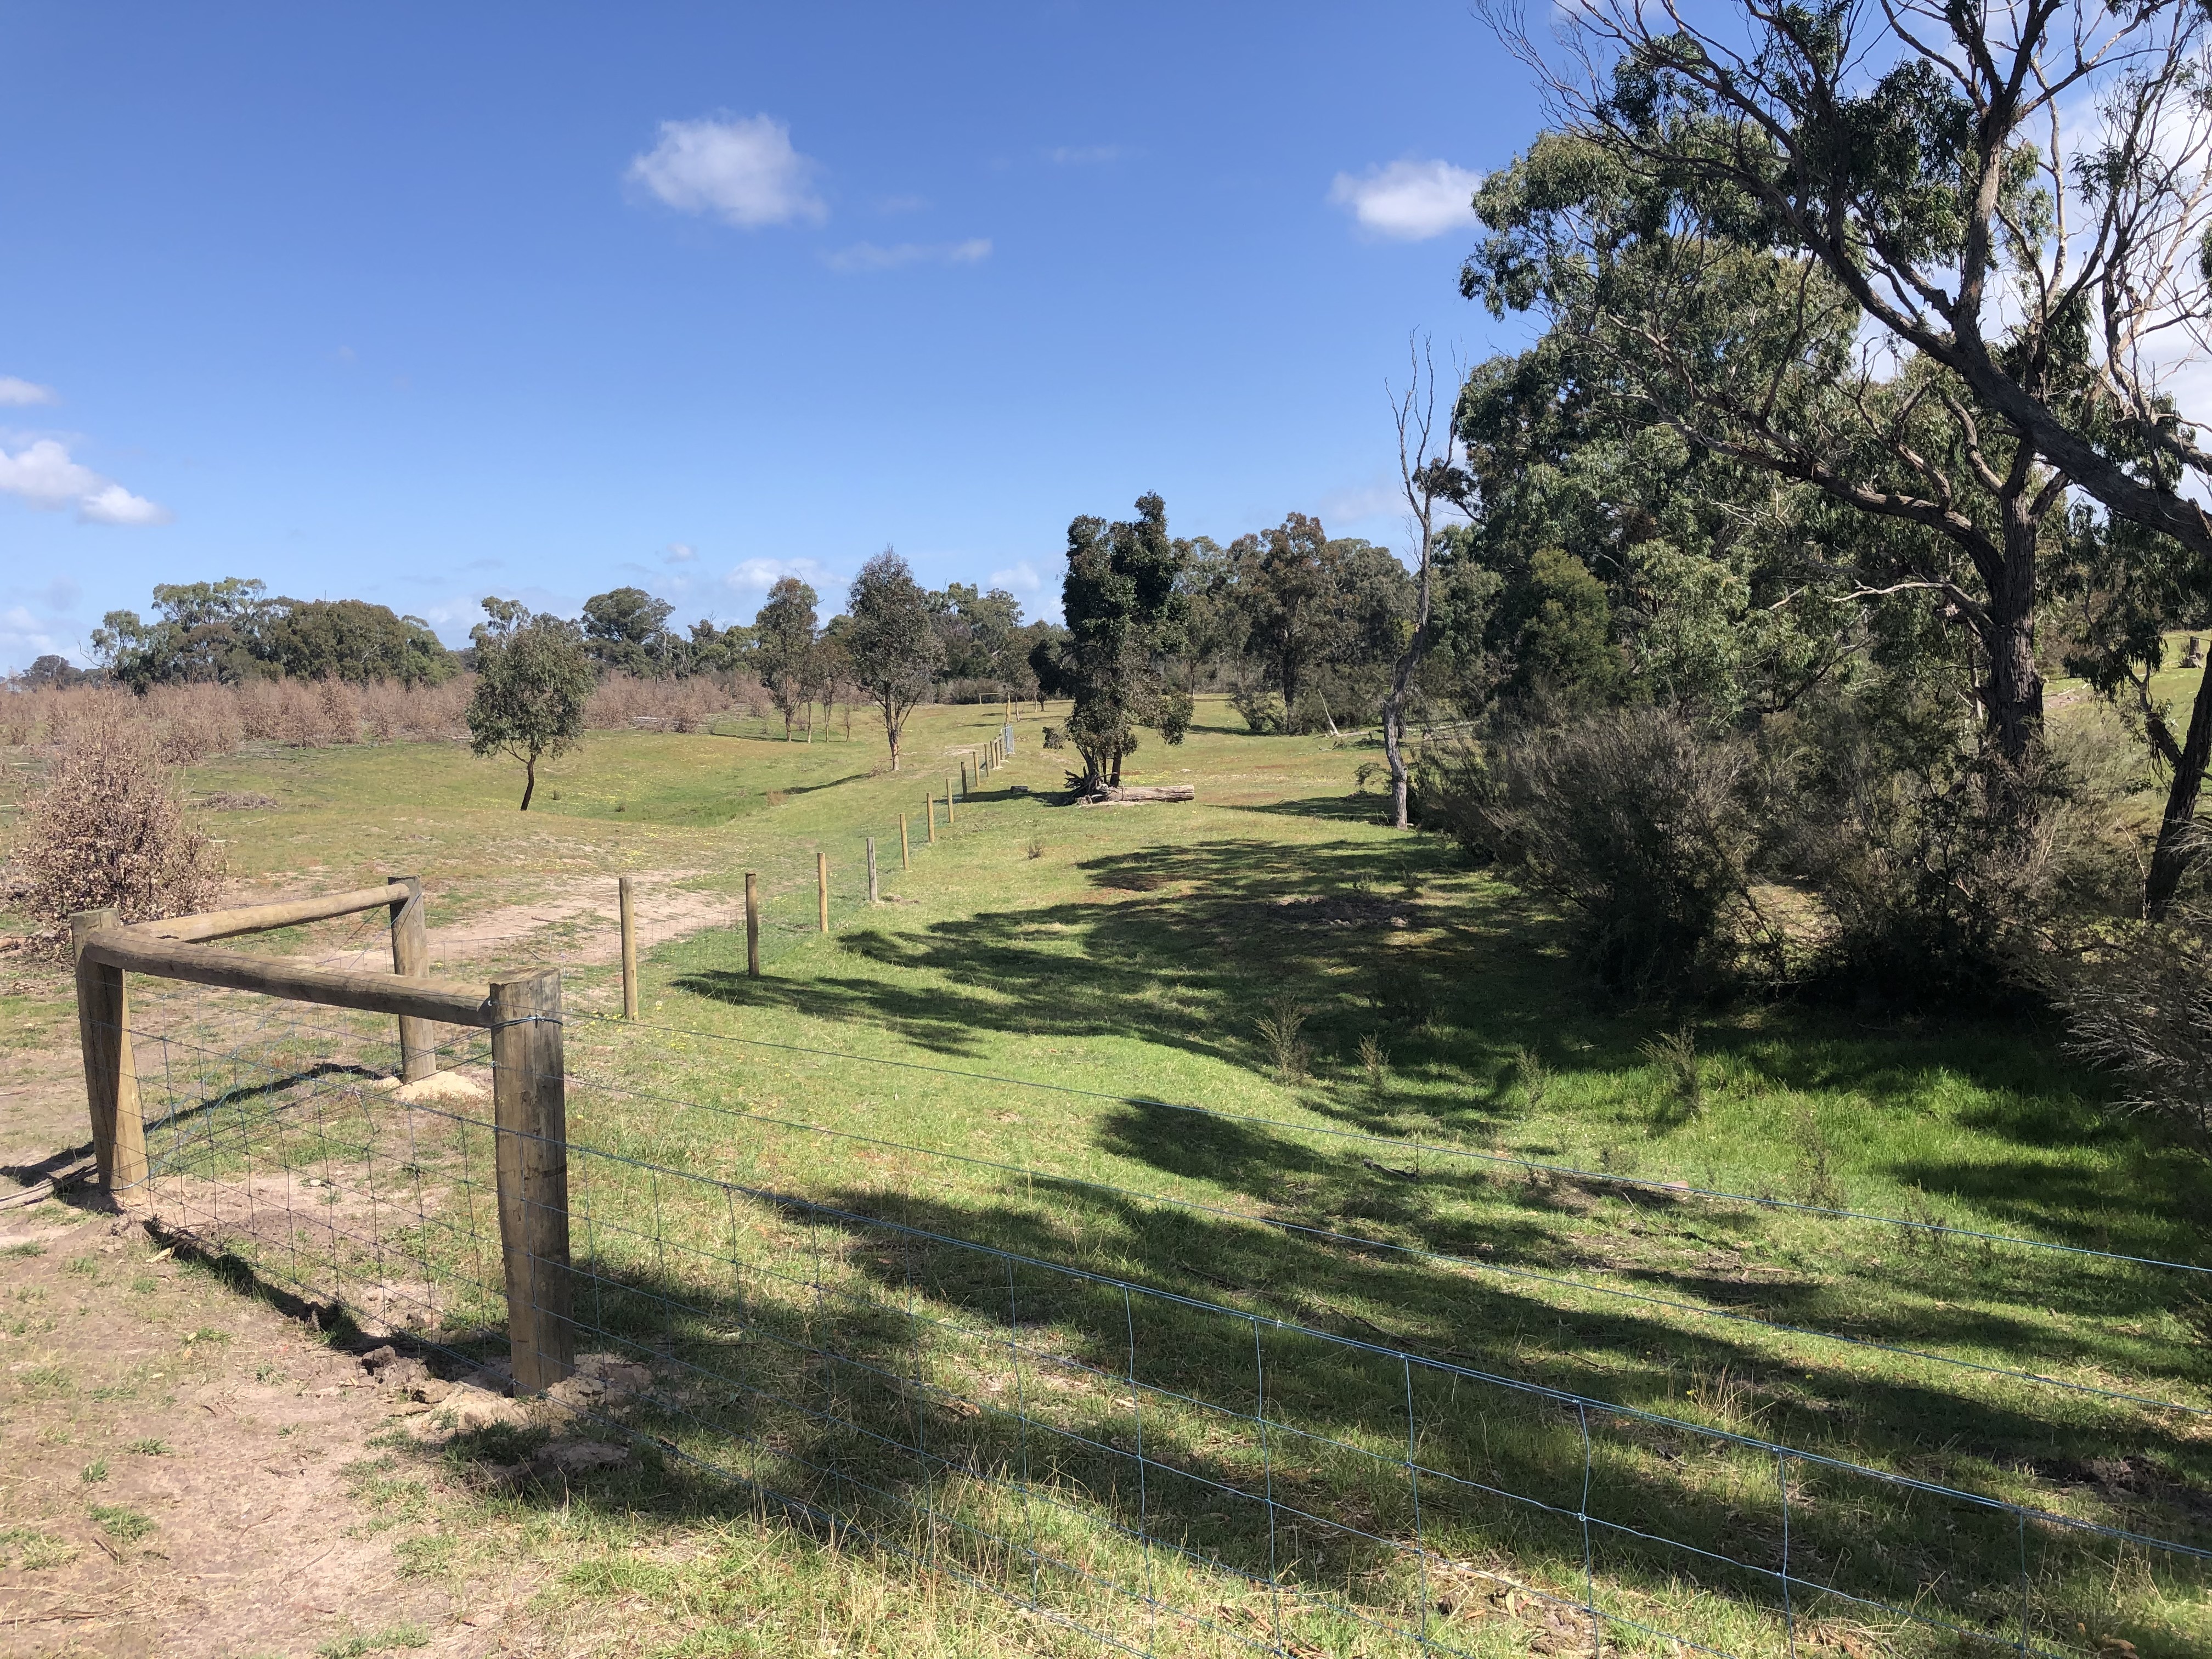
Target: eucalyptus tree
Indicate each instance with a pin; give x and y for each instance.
(2019, 194)
(891, 640)
(784, 634)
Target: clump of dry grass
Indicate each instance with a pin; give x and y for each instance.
(1278, 1029)
(1532, 1075)
(1674, 1056)
(108, 830)
(1375, 1060)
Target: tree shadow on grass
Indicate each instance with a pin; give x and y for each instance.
(1243, 1401)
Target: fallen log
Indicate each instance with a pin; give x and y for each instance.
(1134, 794)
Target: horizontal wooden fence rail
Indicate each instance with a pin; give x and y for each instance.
(334, 988)
(522, 1013)
(266, 918)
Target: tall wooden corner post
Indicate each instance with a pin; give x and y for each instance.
(530, 1119)
(410, 959)
(111, 1075)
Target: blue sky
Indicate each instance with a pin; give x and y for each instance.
(417, 303)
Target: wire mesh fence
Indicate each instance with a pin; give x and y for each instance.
(918, 1348)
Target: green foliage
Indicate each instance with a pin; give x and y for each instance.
(784, 656)
(1261, 709)
(533, 678)
(200, 631)
(351, 639)
(627, 629)
(1645, 830)
(231, 631)
(893, 644)
(1561, 630)
(1171, 713)
(1123, 612)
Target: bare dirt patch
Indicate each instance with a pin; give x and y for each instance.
(185, 1471)
(580, 915)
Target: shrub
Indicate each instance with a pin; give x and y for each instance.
(1171, 716)
(1262, 710)
(194, 722)
(1054, 739)
(1643, 829)
(1949, 875)
(107, 829)
(2141, 1008)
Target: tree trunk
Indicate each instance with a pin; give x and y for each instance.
(529, 780)
(2014, 698)
(1401, 686)
(2177, 848)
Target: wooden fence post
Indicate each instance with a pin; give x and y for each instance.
(530, 1116)
(949, 815)
(410, 959)
(752, 925)
(871, 870)
(905, 847)
(629, 949)
(822, 889)
(110, 1077)
(930, 801)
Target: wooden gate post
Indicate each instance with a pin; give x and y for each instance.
(530, 1117)
(628, 949)
(752, 925)
(110, 1077)
(410, 959)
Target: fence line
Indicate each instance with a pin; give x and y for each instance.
(859, 1369)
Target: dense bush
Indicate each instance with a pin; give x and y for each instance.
(107, 829)
(1946, 874)
(1262, 709)
(1641, 827)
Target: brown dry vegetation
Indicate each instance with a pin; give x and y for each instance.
(109, 832)
(185, 724)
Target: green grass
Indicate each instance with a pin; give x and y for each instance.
(355, 1645)
(1136, 957)
(125, 1526)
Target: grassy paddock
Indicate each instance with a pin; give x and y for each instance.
(872, 1269)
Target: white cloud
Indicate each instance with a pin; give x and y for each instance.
(113, 504)
(866, 256)
(1079, 155)
(46, 477)
(752, 576)
(680, 553)
(22, 392)
(1017, 579)
(1408, 201)
(744, 171)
